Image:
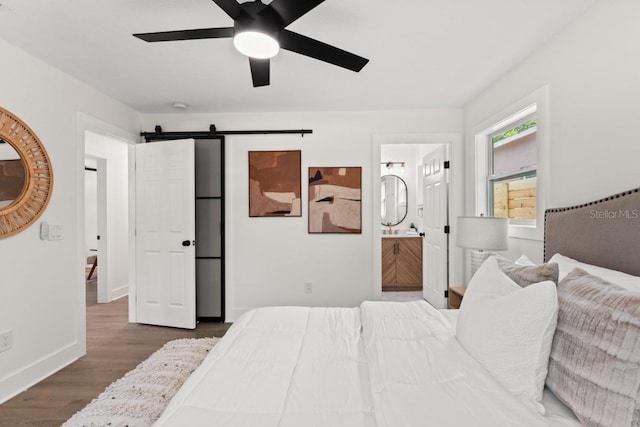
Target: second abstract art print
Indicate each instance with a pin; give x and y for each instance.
(335, 200)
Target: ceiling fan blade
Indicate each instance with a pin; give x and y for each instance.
(231, 8)
(259, 71)
(201, 33)
(290, 10)
(316, 49)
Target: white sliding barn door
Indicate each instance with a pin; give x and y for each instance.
(165, 233)
(435, 218)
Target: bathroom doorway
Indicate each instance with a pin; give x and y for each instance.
(404, 156)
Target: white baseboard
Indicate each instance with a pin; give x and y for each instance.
(120, 292)
(21, 380)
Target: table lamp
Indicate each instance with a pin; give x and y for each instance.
(482, 233)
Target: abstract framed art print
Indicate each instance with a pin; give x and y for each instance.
(275, 183)
(335, 200)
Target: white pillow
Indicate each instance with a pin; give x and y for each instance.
(509, 330)
(566, 265)
(524, 261)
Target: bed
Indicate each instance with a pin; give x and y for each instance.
(408, 364)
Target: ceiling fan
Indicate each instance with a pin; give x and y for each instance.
(259, 32)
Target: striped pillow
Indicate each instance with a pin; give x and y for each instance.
(594, 367)
(525, 275)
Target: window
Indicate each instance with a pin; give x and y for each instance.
(512, 181)
(512, 150)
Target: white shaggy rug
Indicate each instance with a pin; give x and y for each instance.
(139, 398)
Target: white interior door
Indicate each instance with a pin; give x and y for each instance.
(435, 218)
(165, 233)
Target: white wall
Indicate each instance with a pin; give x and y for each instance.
(113, 195)
(592, 70)
(42, 284)
(269, 259)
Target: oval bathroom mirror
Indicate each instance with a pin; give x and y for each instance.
(393, 199)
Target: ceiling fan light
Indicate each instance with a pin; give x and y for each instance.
(256, 45)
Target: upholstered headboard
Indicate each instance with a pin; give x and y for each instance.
(605, 232)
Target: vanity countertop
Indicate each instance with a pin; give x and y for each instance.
(400, 235)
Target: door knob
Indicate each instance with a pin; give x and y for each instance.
(186, 243)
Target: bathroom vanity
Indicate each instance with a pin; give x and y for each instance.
(401, 263)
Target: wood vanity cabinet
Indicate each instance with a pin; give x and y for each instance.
(402, 264)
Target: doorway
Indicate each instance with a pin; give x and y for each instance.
(405, 269)
(87, 128)
(107, 214)
(180, 169)
(403, 155)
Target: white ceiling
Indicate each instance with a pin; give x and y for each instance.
(423, 53)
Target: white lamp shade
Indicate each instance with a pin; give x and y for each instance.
(482, 232)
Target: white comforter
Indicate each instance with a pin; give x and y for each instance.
(385, 364)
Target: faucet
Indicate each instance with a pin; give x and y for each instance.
(389, 225)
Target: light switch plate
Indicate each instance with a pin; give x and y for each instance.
(44, 230)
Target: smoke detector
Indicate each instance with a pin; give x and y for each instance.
(178, 105)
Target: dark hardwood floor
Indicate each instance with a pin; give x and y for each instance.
(114, 347)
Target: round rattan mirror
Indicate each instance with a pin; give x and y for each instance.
(26, 177)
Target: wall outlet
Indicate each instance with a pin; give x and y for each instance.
(308, 287)
(6, 341)
(55, 232)
(51, 232)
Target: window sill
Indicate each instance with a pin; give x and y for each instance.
(528, 232)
